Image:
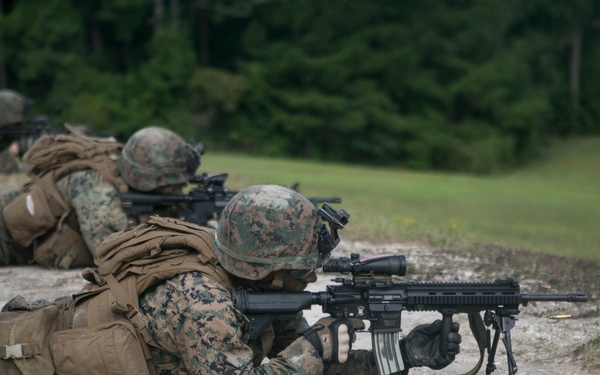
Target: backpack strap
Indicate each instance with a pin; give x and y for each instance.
(480, 334)
(131, 261)
(60, 154)
(52, 227)
(158, 250)
(125, 305)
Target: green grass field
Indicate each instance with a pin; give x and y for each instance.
(550, 207)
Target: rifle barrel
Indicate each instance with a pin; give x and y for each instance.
(315, 200)
(158, 199)
(570, 297)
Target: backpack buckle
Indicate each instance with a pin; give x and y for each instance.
(13, 351)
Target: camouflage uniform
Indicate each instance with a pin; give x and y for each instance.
(96, 203)
(9, 162)
(194, 317)
(191, 319)
(13, 110)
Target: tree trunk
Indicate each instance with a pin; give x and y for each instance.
(3, 83)
(203, 36)
(97, 45)
(159, 13)
(175, 14)
(575, 78)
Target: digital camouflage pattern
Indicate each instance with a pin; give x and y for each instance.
(155, 157)
(266, 228)
(9, 162)
(194, 318)
(12, 114)
(96, 204)
(12, 108)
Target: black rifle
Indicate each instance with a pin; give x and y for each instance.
(374, 294)
(36, 127)
(33, 130)
(316, 200)
(203, 203)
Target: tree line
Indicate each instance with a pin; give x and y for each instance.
(462, 85)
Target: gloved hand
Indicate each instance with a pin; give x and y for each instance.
(333, 338)
(421, 347)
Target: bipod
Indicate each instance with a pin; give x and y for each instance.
(502, 324)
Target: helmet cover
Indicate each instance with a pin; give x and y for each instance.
(154, 157)
(266, 228)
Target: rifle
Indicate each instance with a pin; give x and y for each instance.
(375, 295)
(33, 130)
(201, 204)
(35, 127)
(38, 127)
(316, 200)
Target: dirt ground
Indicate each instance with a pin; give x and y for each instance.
(541, 343)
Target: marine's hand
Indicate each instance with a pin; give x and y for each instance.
(332, 338)
(422, 346)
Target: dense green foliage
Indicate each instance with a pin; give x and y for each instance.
(463, 85)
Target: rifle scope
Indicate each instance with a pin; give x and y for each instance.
(209, 180)
(382, 265)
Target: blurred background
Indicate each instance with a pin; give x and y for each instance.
(458, 85)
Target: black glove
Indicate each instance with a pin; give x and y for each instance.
(421, 347)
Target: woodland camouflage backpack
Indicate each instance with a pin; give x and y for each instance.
(40, 216)
(101, 329)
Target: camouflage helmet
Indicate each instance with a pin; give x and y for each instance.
(266, 228)
(155, 157)
(12, 108)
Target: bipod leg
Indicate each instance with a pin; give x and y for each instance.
(491, 365)
(502, 325)
(512, 364)
(505, 324)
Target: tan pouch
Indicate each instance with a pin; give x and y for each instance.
(109, 349)
(63, 248)
(28, 216)
(24, 337)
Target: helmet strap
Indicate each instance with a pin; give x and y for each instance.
(277, 282)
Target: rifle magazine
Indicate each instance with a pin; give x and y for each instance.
(386, 347)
